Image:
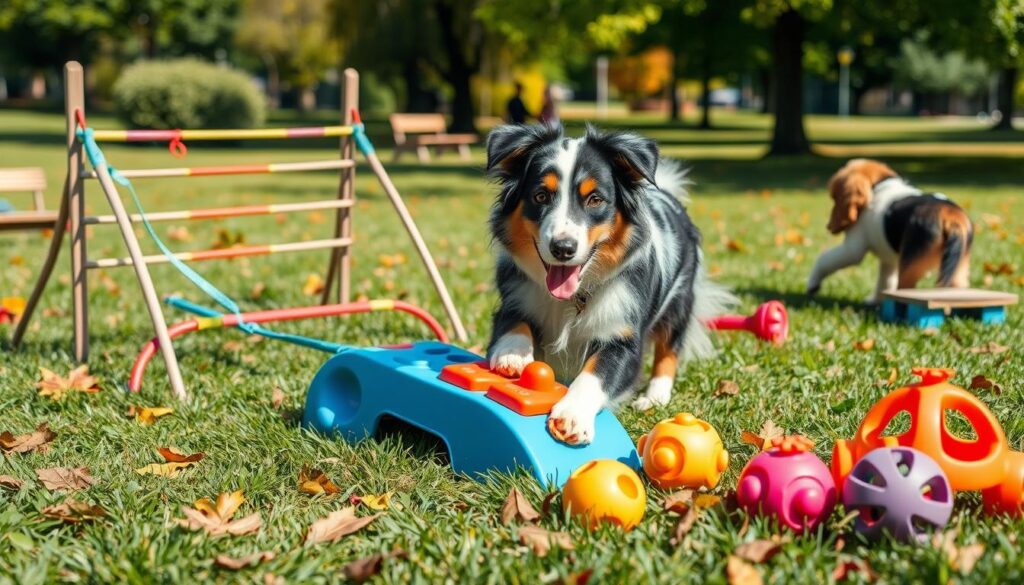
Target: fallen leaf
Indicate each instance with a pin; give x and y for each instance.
(982, 383)
(678, 502)
(257, 291)
(541, 540)
(545, 506)
(314, 482)
(362, 569)
(990, 347)
(314, 285)
(148, 415)
(179, 234)
(378, 501)
(37, 439)
(11, 483)
(960, 558)
(846, 568)
(758, 551)
(168, 470)
(578, 578)
(228, 239)
(864, 345)
(216, 519)
(55, 387)
(65, 478)
(73, 512)
(276, 397)
(690, 513)
(336, 525)
(172, 455)
(727, 388)
(1004, 268)
(735, 246)
(518, 508)
(226, 562)
(763, 439)
(740, 572)
(12, 307)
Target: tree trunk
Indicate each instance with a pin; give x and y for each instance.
(459, 71)
(1004, 97)
(787, 85)
(767, 95)
(705, 93)
(415, 96)
(673, 93)
(273, 81)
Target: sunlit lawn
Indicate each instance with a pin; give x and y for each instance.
(449, 525)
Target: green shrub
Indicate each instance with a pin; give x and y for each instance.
(187, 93)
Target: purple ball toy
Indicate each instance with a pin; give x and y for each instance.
(898, 490)
(789, 483)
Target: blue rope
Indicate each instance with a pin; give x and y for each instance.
(362, 141)
(96, 158)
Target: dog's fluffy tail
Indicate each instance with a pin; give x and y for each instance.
(710, 299)
(670, 177)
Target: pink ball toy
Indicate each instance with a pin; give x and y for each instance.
(789, 483)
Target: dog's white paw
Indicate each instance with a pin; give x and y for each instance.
(659, 391)
(511, 353)
(572, 418)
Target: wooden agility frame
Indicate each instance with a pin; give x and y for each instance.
(72, 216)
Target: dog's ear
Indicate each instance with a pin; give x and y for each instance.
(509, 148)
(851, 189)
(634, 161)
(634, 157)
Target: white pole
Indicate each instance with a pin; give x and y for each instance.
(602, 87)
(845, 57)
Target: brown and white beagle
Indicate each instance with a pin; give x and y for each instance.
(910, 231)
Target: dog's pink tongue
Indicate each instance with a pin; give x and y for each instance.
(563, 281)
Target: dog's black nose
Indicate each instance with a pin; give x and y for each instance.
(563, 249)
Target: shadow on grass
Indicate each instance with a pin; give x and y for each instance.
(797, 301)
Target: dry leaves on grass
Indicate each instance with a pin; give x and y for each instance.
(865, 344)
(542, 540)
(727, 388)
(147, 415)
(10, 483)
(72, 512)
(758, 551)
(362, 569)
(961, 558)
(314, 482)
(65, 478)
(847, 568)
(276, 398)
(336, 525)
(374, 501)
(763, 439)
(175, 462)
(216, 519)
(990, 347)
(982, 383)
(226, 562)
(518, 508)
(740, 572)
(37, 439)
(689, 506)
(55, 386)
(314, 285)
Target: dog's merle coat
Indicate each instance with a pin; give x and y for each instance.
(597, 256)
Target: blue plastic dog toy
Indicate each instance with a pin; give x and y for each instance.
(488, 423)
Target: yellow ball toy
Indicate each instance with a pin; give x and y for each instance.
(605, 490)
(683, 451)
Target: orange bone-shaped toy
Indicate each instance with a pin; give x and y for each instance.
(984, 463)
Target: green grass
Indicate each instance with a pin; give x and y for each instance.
(450, 525)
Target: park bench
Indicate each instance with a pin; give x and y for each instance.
(419, 132)
(25, 180)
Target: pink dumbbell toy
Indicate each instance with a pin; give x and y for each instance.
(770, 322)
(789, 483)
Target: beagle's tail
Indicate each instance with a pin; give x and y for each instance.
(958, 235)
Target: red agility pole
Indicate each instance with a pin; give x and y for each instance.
(289, 314)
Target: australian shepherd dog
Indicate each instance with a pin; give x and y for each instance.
(596, 258)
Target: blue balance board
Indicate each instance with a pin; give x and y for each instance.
(356, 388)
